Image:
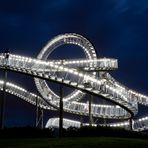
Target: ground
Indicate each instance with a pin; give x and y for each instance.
(101, 142)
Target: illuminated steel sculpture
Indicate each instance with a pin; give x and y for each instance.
(88, 75)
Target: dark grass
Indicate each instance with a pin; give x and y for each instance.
(81, 142)
(85, 131)
(84, 137)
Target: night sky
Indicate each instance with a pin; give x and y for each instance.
(117, 29)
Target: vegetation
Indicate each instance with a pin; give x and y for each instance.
(86, 131)
(98, 131)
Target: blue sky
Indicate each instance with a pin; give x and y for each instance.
(117, 29)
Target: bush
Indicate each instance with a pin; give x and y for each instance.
(88, 131)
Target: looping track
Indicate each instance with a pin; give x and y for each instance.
(90, 75)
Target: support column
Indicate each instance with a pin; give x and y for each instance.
(2, 104)
(39, 122)
(42, 118)
(90, 114)
(61, 112)
(81, 121)
(131, 124)
(37, 111)
(104, 119)
(2, 100)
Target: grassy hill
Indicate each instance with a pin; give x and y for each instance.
(81, 142)
(84, 137)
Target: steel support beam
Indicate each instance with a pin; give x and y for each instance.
(131, 124)
(90, 110)
(2, 102)
(39, 120)
(61, 112)
(42, 118)
(81, 121)
(37, 111)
